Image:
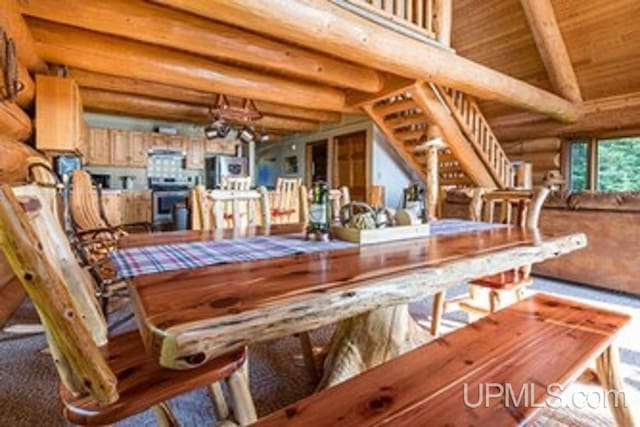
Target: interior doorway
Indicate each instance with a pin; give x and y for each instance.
(317, 162)
(350, 164)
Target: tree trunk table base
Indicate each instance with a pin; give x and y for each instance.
(367, 340)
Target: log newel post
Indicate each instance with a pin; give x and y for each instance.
(443, 10)
(434, 143)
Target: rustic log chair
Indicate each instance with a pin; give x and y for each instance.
(285, 200)
(104, 379)
(528, 208)
(210, 207)
(532, 346)
(236, 183)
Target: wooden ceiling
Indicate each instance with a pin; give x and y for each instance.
(602, 37)
(135, 56)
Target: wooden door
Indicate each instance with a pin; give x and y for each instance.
(195, 153)
(99, 152)
(350, 164)
(120, 147)
(138, 149)
(317, 162)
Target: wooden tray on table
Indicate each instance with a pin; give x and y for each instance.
(381, 235)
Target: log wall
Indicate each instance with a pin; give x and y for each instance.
(544, 154)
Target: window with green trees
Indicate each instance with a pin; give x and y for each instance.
(615, 161)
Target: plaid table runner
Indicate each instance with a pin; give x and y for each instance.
(161, 258)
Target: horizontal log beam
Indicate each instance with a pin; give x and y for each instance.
(149, 23)
(115, 56)
(134, 105)
(553, 51)
(88, 79)
(13, 23)
(14, 122)
(611, 115)
(326, 27)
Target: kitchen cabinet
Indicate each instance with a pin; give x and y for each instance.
(138, 141)
(98, 147)
(112, 205)
(128, 148)
(122, 207)
(59, 116)
(136, 206)
(195, 153)
(120, 147)
(157, 141)
(220, 146)
(176, 143)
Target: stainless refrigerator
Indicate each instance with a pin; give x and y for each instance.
(219, 167)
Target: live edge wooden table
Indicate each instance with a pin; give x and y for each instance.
(187, 317)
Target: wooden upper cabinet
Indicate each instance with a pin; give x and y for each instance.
(120, 147)
(59, 115)
(176, 142)
(138, 141)
(195, 153)
(157, 141)
(99, 147)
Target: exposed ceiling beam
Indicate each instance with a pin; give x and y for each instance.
(552, 48)
(91, 80)
(116, 56)
(601, 116)
(161, 26)
(15, 27)
(326, 27)
(141, 106)
(392, 86)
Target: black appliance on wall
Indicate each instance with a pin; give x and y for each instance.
(220, 167)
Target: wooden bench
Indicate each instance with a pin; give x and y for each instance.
(534, 343)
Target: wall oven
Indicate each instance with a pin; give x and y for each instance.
(167, 193)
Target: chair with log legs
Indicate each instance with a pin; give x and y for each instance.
(521, 208)
(103, 379)
(236, 183)
(246, 206)
(285, 200)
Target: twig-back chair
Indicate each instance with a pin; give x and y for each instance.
(103, 380)
(528, 206)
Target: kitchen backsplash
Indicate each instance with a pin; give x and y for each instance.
(140, 180)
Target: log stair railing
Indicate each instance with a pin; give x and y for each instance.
(405, 125)
(476, 128)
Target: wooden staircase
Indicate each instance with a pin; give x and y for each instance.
(473, 156)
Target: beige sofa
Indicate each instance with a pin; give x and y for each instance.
(611, 222)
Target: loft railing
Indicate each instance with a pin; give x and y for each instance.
(415, 16)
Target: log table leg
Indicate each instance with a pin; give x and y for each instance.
(608, 368)
(367, 340)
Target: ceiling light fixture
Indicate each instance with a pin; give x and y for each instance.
(246, 135)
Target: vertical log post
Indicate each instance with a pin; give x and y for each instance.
(434, 143)
(443, 11)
